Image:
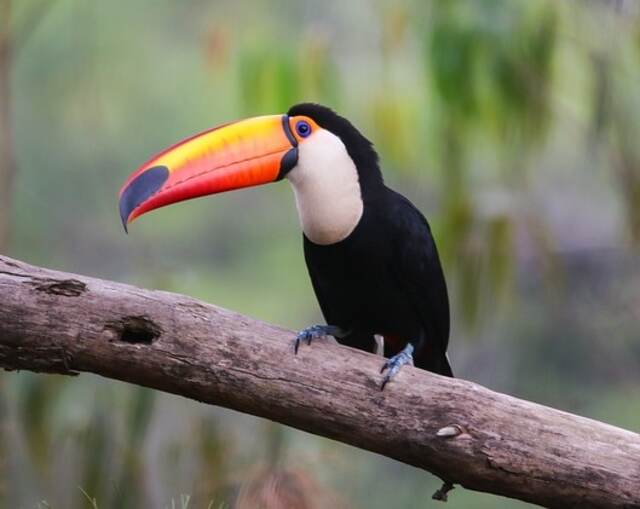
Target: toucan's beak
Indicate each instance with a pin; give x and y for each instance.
(240, 154)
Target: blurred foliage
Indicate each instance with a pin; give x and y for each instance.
(491, 69)
(511, 124)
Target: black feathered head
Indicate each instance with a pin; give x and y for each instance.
(359, 148)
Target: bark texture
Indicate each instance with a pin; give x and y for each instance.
(464, 433)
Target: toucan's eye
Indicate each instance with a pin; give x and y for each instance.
(303, 128)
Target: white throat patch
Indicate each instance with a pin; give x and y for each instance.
(327, 189)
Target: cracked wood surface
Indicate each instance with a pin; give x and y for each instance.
(464, 433)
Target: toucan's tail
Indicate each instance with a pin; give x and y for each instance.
(435, 363)
(446, 366)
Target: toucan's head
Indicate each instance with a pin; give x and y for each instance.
(329, 163)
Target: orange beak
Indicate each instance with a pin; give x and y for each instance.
(232, 156)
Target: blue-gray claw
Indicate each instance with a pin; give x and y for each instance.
(395, 363)
(317, 331)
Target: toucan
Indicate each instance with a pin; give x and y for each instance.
(370, 253)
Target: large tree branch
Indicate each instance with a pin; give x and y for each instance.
(466, 434)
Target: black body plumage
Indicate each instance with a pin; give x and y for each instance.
(385, 277)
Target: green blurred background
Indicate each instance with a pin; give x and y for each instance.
(512, 124)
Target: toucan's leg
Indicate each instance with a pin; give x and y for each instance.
(396, 362)
(317, 331)
(379, 348)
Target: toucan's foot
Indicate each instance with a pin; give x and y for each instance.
(317, 331)
(395, 363)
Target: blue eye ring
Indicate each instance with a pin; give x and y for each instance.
(303, 128)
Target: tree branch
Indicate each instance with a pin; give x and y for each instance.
(65, 323)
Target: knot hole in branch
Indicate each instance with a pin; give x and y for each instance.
(135, 330)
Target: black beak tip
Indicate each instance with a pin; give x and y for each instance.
(123, 216)
(140, 189)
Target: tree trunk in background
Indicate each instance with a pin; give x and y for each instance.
(7, 156)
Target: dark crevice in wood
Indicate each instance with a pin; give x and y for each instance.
(67, 287)
(135, 330)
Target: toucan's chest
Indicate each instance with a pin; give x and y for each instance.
(367, 249)
(355, 281)
(327, 190)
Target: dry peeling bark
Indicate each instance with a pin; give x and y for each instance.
(65, 323)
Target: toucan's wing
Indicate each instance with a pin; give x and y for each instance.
(417, 269)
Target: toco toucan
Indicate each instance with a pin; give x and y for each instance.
(371, 257)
